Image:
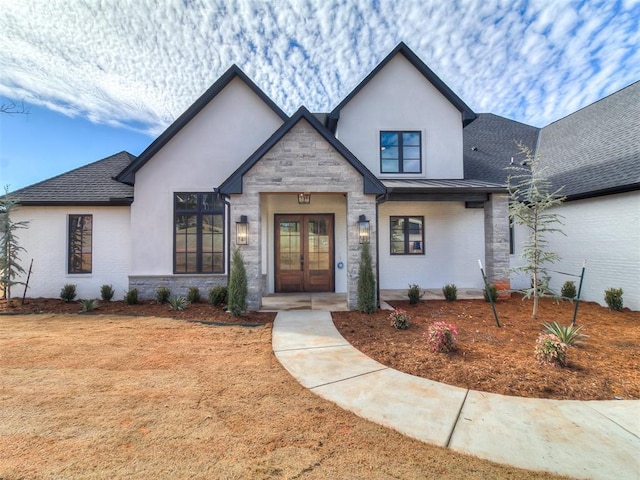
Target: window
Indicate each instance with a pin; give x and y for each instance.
(80, 243)
(198, 233)
(407, 235)
(400, 152)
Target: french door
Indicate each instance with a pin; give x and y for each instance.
(304, 253)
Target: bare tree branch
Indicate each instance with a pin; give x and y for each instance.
(13, 108)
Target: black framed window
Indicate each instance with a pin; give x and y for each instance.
(400, 152)
(407, 235)
(198, 233)
(80, 244)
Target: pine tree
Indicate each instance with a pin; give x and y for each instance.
(366, 282)
(530, 199)
(10, 247)
(237, 290)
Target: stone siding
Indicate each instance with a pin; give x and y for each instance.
(177, 284)
(302, 161)
(496, 232)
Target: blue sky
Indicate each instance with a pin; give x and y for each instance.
(101, 77)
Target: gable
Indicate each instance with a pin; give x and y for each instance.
(239, 101)
(322, 149)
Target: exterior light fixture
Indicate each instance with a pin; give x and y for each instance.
(242, 231)
(363, 228)
(304, 198)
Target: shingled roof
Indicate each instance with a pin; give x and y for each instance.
(92, 184)
(490, 142)
(596, 150)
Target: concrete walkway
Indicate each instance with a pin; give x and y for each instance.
(596, 439)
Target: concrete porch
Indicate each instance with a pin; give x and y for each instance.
(337, 302)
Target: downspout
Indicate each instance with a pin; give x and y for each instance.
(225, 199)
(379, 199)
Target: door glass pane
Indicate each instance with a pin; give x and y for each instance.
(289, 245)
(318, 256)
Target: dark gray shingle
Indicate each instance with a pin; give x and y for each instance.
(91, 184)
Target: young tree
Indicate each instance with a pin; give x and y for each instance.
(237, 290)
(10, 247)
(366, 282)
(530, 199)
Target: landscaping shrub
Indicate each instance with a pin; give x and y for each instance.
(490, 293)
(131, 296)
(366, 282)
(550, 350)
(569, 335)
(162, 294)
(88, 305)
(568, 290)
(441, 337)
(399, 319)
(68, 292)
(613, 297)
(178, 303)
(106, 292)
(450, 292)
(193, 295)
(218, 295)
(414, 294)
(237, 291)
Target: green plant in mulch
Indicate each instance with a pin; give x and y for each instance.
(613, 297)
(450, 292)
(193, 295)
(218, 295)
(569, 334)
(162, 295)
(68, 292)
(178, 303)
(550, 350)
(399, 319)
(106, 292)
(131, 296)
(87, 305)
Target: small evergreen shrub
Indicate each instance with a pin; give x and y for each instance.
(569, 335)
(218, 295)
(450, 292)
(193, 295)
(178, 303)
(414, 294)
(88, 305)
(550, 350)
(490, 293)
(613, 297)
(68, 292)
(366, 282)
(399, 319)
(568, 290)
(237, 290)
(162, 295)
(441, 337)
(131, 296)
(106, 292)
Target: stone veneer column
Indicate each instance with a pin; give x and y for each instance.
(496, 240)
(249, 205)
(358, 204)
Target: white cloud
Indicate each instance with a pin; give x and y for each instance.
(144, 62)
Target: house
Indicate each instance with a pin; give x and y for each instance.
(401, 164)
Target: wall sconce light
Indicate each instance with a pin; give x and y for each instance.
(242, 231)
(363, 227)
(304, 198)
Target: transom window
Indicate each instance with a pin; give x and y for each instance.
(407, 235)
(198, 233)
(79, 258)
(400, 152)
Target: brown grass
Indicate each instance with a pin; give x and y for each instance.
(124, 397)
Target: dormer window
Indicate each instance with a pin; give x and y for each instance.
(400, 152)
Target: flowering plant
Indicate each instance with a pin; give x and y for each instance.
(550, 350)
(441, 337)
(399, 319)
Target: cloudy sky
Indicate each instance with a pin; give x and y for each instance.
(100, 77)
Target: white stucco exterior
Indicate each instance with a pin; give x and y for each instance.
(198, 158)
(399, 97)
(46, 242)
(454, 241)
(605, 231)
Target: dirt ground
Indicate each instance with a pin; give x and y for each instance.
(501, 360)
(106, 396)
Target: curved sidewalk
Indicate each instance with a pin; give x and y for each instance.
(595, 439)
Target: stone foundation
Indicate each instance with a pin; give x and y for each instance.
(177, 284)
